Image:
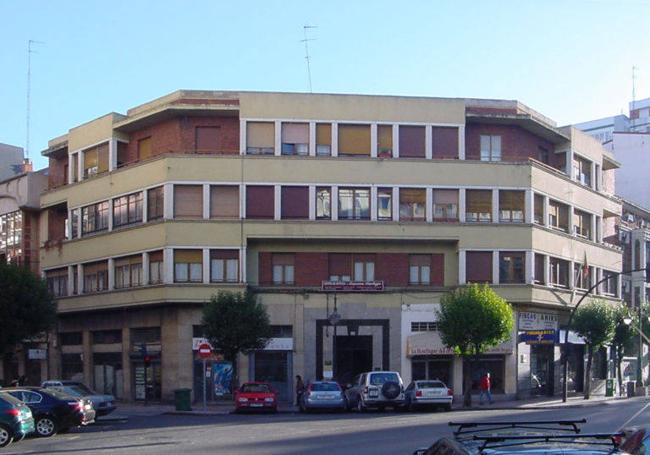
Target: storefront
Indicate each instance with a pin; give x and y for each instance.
(146, 367)
(538, 353)
(274, 364)
(108, 373)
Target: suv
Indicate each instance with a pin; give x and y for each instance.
(375, 389)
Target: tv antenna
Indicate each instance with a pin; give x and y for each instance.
(30, 51)
(306, 40)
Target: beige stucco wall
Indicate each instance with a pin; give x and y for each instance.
(92, 132)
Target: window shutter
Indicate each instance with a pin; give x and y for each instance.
(412, 141)
(295, 133)
(354, 139)
(295, 202)
(144, 148)
(207, 138)
(188, 256)
(188, 201)
(479, 266)
(260, 202)
(445, 142)
(260, 134)
(224, 201)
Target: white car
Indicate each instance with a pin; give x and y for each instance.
(103, 404)
(432, 393)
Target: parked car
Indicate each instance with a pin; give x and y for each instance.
(323, 395)
(54, 411)
(257, 396)
(103, 404)
(428, 393)
(376, 389)
(16, 419)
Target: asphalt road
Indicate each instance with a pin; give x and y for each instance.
(323, 434)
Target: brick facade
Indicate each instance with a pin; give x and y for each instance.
(58, 171)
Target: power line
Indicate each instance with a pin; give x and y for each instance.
(30, 51)
(306, 40)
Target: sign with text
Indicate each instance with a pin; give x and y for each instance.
(537, 321)
(279, 344)
(352, 286)
(37, 354)
(538, 337)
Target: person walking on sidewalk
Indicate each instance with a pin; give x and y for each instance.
(486, 386)
(300, 389)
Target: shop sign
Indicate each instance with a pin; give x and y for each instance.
(537, 321)
(279, 344)
(538, 337)
(37, 354)
(430, 343)
(352, 286)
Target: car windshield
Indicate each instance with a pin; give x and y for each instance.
(59, 394)
(75, 390)
(382, 378)
(255, 388)
(430, 385)
(325, 387)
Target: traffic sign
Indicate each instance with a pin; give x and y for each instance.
(205, 350)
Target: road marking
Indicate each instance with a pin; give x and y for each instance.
(634, 416)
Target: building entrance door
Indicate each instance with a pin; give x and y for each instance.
(353, 356)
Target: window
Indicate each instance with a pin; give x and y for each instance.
(95, 276)
(610, 285)
(207, 138)
(123, 157)
(582, 170)
(384, 141)
(323, 203)
(420, 269)
(511, 267)
(559, 272)
(283, 268)
(511, 206)
(340, 267)
(95, 160)
(364, 268)
(127, 209)
(70, 338)
(224, 266)
(11, 237)
(295, 139)
(538, 212)
(281, 331)
(558, 215)
(188, 266)
(412, 204)
(445, 143)
(128, 272)
(582, 275)
(354, 204)
(582, 224)
(385, 204)
(478, 206)
(155, 203)
(539, 269)
(74, 162)
(295, 202)
(144, 148)
(354, 140)
(412, 141)
(156, 267)
(107, 336)
(490, 148)
(57, 282)
(224, 201)
(478, 266)
(445, 205)
(188, 201)
(323, 139)
(424, 326)
(260, 202)
(543, 155)
(260, 138)
(94, 218)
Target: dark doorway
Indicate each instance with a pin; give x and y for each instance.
(353, 356)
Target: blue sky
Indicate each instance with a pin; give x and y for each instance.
(571, 60)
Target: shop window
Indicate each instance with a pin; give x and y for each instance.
(511, 206)
(295, 202)
(94, 218)
(146, 335)
(155, 203)
(559, 272)
(57, 282)
(512, 267)
(424, 326)
(260, 138)
(127, 210)
(490, 148)
(364, 268)
(385, 204)
(283, 268)
(354, 204)
(281, 331)
(224, 201)
(340, 267)
(539, 268)
(95, 277)
(156, 267)
(582, 224)
(188, 201)
(70, 338)
(128, 272)
(72, 367)
(224, 266)
(260, 202)
(538, 212)
(323, 139)
(558, 216)
(478, 206)
(188, 266)
(207, 138)
(445, 142)
(384, 141)
(493, 364)
(354, 140)
(144, 149)
(323, 203)
(582, 275)
(478, 266)
(412, 204)
(445, 205)
(412, 141)
(107, 336)
(295, 139)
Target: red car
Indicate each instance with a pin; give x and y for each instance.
(256, 396)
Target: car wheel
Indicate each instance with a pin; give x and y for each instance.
(5, 436)
(45, 426)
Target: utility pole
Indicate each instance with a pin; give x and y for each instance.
(634, 68)
(30, 51)
(306, 40)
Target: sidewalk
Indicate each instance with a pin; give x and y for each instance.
(576, 401)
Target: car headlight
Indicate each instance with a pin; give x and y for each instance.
(243, 399)
(269, 400)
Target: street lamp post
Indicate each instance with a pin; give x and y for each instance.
(334, 319)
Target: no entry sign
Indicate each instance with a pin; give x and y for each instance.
(205, 350)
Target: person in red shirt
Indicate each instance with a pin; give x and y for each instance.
(486, 386)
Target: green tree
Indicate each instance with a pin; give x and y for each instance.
(471, 320)
(26, 306)
(235, 323)
(623, 340)
(596, 323)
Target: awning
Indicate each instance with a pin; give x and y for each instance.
(430, 343)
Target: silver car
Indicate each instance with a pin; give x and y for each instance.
(103, 404)
(322, 395)
(431, 393)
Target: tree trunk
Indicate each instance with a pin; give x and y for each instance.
(619, 372)
(590, 355)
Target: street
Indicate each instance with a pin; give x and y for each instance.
(289, 433)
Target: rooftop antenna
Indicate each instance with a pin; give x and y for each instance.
(634, 69)
(30, 51)
(305, 29)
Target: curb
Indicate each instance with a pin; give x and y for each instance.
(222, 413)
(524, 407)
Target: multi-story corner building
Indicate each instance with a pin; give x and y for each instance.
(355, 210)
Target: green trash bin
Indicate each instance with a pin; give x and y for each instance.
(609, 387)
(182, 399)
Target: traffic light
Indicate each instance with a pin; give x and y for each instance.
(147, 359)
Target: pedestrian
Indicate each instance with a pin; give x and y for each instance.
(300, 389)
(486, 386)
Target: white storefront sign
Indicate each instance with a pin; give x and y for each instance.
(279, 344)
(537, 321)
(37, 354)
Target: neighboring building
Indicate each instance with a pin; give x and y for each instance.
(603, 129)
(373, 206)
(20, 245)
(11, 161)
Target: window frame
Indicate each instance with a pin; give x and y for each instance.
(356, 210)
